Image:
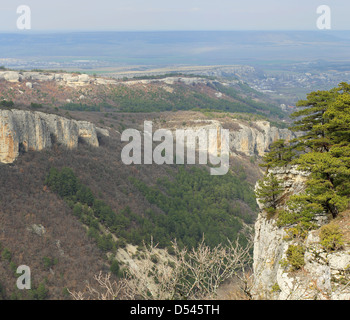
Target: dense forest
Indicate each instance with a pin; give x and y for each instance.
(194, 204)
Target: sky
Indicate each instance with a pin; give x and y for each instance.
(164, 15)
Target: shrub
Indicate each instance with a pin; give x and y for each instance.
(13, 267)
(105, 243)
(121, 243)
(65, 292)
(271, 213)
(2, 292)
(6, 104)
(275, 288)
(77, 210)
(299, 231)
(6, 254)
(40, 293)
(295, 257)
(34, 105)
(154, 258)
(85, 196)
(115, 268)
(331, 237)
(298, 212)
(63, 182)
(49, 262)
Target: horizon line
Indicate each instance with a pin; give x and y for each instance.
(31, 31)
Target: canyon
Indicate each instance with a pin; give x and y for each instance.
(21, 131)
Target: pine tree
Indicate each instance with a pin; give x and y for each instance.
(325, 184)
(311, 122)
(325, 121)
(280, 154)
(115, 269)
(269, 190)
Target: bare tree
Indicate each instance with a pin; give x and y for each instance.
(105, 290)
(188, 274)
(206, 269)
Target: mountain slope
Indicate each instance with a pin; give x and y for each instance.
(65, 239)
(87, 93)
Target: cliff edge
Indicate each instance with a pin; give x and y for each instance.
(322, 274)
(21, 131)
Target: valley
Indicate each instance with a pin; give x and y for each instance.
(72, 210)
(118, 207)
(170, 155)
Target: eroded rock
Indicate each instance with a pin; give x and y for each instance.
(24, 130)
(324, 275)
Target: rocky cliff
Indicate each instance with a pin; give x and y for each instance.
(245, 138)
(80, 80)
(24, 130)
(324, 275)
(62, 78)
(256, 138)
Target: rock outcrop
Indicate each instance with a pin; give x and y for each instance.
(255, 139)
(249, 139)
(23, 130)
(78, 80)
(29, 77)
(324, 275)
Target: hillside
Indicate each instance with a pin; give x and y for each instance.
(169, 93)
(80, 207)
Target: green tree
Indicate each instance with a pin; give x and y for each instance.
(310, 120)
(331, 237)
(328, 185)
(41, 293)
(84, 195)
(268, 191)
(325, 142)
(77, 210)
(323, 149)
(280, 154)
(49, 262)
(35, 105)
(115, 269)
(63, 182)
(6, 254)
(7, 104)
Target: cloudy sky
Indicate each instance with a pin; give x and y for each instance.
(146, 15)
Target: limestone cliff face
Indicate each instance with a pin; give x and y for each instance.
(62, 78)
(249, 139)
(325, 275)
(24, 130)
(255, 139)
(80, 80)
